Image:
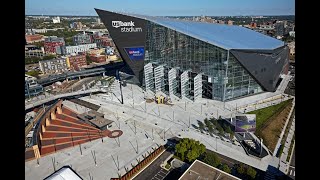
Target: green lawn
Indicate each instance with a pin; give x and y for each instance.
(264, 114)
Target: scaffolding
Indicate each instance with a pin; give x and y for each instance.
(159, 78)
(149, 77)
(198, 87)
(172, 81)
(185, 85)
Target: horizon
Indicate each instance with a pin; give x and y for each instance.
(154, 8)
(162, 15)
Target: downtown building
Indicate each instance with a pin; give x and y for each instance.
(51, 44)
(196, 60)
(52, 66)
(82, 39)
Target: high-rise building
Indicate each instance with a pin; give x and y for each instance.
(196, 60)
(279, 28)
(51, 43)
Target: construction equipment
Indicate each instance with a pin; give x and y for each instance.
(162, 100)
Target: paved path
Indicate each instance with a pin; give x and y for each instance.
(160, 118)
(154, 171)
(284, 165)
(51, 98)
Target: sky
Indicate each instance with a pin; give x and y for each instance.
(162, 7)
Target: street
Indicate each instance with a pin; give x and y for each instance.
(154, 171)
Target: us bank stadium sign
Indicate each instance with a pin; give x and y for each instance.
(135, 53)
(126, 26)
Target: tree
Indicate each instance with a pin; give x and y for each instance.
(201, 125)
(89, 61)
(241, 169)
(189, 149)
(33, 73)
(225, 168)
(212, 159)
(251, 172)
(50, 56)
(220, 129)
(209, 125)
(31, 60)
(38, 44)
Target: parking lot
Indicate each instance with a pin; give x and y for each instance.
(160, 175)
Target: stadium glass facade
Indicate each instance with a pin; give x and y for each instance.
(194, 59)
(168, 47)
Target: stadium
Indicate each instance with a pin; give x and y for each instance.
(194, 60)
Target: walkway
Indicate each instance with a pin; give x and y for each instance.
(284, 165)
(51, 98)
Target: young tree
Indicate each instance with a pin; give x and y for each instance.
(211, 159)
(225, 168)
(201, 125)
(189, 149)
(209, 125)
(241, 169)
(251, 172)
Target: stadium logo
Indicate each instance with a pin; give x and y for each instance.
(126, 26)
(135, 53)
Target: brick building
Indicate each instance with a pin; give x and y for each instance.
(98, 58)
(34, 38)
(51, 43)
(103, 41)
(75, 62)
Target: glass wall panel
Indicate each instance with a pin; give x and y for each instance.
(240, 83)
(168, 47)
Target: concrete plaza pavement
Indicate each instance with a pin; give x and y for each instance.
(174, 120)
(148, 124)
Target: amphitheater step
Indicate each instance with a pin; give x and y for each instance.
(58, 122)
(70, 129)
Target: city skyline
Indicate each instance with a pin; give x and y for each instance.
(187, 8)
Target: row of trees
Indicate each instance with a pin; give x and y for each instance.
(189, 150)
(32, 60)
(246, 172)
(34, 73)
(214, 124)
(61, 33)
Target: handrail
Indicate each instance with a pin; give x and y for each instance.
(31, 105)
(35, 139)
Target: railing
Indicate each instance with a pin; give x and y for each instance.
(31, 105)
(34, 121)
(35, 139)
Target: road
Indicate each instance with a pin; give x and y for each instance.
(292, 168)
(154, 171)
(293, 161)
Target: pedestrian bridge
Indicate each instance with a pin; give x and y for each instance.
(77, 93)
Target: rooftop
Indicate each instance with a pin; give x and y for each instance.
(64, 173)
(222, 35)
(200, 170)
